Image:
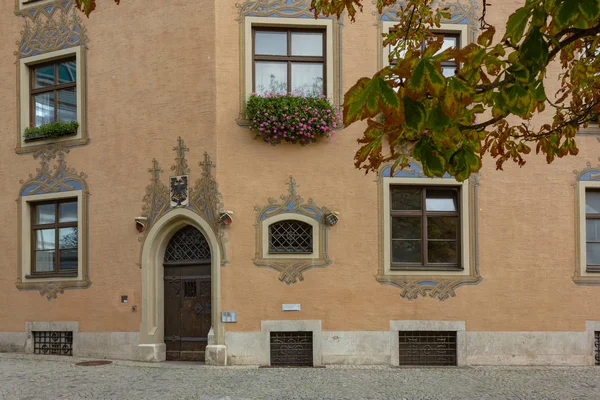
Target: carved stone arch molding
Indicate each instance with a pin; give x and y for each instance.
(440, 285)
(291, 206)
(50, 182)
(292, 9)
(203, 198)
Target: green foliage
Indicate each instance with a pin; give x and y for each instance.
(52, 129)
(449, 124)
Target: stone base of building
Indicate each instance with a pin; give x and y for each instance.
(335, 347)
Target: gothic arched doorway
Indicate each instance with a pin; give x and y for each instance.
(187, 278)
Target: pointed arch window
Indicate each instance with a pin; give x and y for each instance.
(187, 246)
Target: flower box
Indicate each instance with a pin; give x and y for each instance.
(291, 118)
(51, 130)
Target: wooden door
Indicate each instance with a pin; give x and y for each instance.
(187, 282)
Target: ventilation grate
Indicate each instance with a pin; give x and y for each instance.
(427, 348)
(190, 289)
(53, 342)
(292, 349)
(597, 347)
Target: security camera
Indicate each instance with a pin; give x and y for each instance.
(226, 217)
(140, 223)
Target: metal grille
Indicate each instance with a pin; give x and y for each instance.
(597, 347)
(189, 289)
(425, 348)
(186, 246)
(292, 349)
(290, 237)
(53, 342)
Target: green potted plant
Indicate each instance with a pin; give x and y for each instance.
(51, 130)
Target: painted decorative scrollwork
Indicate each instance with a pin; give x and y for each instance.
(275, 8)
(291, 269)
(51, 27)
(204, 197)
(49, 179)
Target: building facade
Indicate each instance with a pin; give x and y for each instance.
(156, 226)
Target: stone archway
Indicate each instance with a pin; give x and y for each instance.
(152, 346)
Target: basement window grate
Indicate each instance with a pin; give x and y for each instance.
(53, 342)
(597, 347)
(427, 348)
(292, 349)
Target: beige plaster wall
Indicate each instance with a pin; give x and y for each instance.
(152, 77)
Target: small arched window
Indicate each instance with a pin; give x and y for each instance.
(291, 237)
(187, 246)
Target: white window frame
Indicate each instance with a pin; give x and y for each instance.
(582, 256)
(273, 22)
(25, 67)
(464, 225)
(387, 26)
(27, 202)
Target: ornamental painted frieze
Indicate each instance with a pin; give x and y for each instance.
(275, 8)
(203, 197)
(54, 176)
(291, 207)
(50, 27)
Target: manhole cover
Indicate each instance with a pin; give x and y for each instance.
(93, 363)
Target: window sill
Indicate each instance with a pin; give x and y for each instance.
(422, 268)
(52, 275)
(243, 122)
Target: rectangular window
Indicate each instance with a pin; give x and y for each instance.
(53, 92)
(425, 227)
(592, 230)
(451, 40)
(289, 61)
(54, 237)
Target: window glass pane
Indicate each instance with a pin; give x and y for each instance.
(270, 77)
(307, 44)
(440, 200)
(442, 227)
(67, 72)
(593, 254)
(406, 198)
(43, 77)
(68, 259)
(448, 71)
(307, 78)
(45, 214)
(44, 261)
(45, 239)
(67, 212)
(592, 202)
(406, 251)
(271, 43)
(406, 228)
(449, 42)
(592, 229)
(441, 252)
(44, 108)
(68, 238)
(67, 105)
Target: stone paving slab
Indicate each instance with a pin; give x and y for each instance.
(29, 377)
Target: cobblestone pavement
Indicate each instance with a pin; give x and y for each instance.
(44, 377)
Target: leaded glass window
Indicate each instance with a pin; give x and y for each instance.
(188, 245)
(291, 236)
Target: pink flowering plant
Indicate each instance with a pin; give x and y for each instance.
(291, 117)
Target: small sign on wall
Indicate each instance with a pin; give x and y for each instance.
(290, 307)
(229, 316)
